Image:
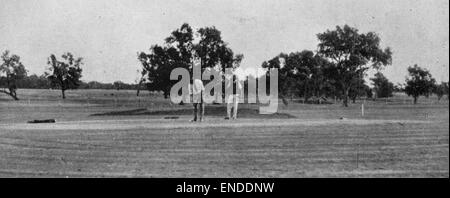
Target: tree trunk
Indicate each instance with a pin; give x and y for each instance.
(166, 94)
(139, 88)
(345, 99)
(14, 96)
(305, 95)
(63, 93)
(415, 99)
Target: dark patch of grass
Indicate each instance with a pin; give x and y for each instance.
(313, 102)
(209, 111)
(119, 113)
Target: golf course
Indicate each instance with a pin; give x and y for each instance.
(114, 133)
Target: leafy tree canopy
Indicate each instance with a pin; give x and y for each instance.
(419, 82)
(352, 54)
(180, 50)
(64, 74)
(11, 71)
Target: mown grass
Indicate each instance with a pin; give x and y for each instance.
(390, 149)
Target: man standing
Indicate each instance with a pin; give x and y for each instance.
(197, 90)
(233, 98)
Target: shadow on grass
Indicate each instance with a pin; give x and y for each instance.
(209, 111)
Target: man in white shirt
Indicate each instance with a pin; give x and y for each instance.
(232, 99)
(197, 90)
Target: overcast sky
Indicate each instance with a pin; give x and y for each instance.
(109, 33)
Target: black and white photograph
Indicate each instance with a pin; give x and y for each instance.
(224, 89)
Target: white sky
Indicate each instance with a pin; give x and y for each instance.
(109, 33)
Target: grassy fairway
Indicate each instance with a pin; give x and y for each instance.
(129, 137)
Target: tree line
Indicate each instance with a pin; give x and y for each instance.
(34, 81)
(63, 74)
(337, 69)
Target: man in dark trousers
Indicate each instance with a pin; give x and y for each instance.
(197, 90)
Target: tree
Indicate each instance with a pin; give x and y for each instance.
(158, 64)
(441, 90)
(64, 74)
(11, 71)
(118, 85)
(332, 87)
(97, 85)
(359, 90)
(213, 52)
(419, 83)
(181, 40)
(140, 81)
(351, 55)
(399, 87)
(300, 73)
(383, 87)
(33, 82)
(286, 81)
(181, 51)
(302, 66)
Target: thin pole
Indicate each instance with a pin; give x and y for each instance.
(362, 109)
